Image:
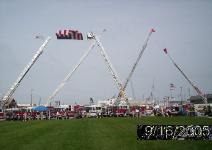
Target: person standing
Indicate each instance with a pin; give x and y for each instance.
(25, 116)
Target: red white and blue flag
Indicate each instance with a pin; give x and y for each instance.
(165, 50)
(152, 30)
(172, 86)
(69, 34)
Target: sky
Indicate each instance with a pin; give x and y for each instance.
(183, 27)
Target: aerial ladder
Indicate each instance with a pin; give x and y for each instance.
(120, 100)
(115, 76)
(199, 92)
(135, 64)
(69, 75)
(8, 96)
(105, 56)
(121, 87)
(107, 61)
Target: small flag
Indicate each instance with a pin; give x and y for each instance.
(165, 50)
(39, 37)
(69, 34)
(152, 30)
(172, 86)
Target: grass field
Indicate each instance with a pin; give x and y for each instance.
(92, 134)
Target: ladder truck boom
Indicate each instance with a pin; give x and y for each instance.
(66, 79)
(199, 92)
(10, 92)
(138, 59)
(107, 61)
(61, 85)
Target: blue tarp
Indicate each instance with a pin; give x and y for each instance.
(40, 108)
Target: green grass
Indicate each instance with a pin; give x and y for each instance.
(94, 134)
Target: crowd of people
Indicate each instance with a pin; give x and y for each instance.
(25, 115)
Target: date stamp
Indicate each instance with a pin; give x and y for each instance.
(174, 132)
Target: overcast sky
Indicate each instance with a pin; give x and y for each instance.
(183, 27)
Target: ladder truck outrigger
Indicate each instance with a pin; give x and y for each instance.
(199, 92)
(8, 96)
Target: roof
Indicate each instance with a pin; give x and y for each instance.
(198, 100)
(199, 97)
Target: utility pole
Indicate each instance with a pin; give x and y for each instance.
(181, 96)
(39, 101)
(171, 95)
(152, 92)
(189, 92)
(133, 91)
(31, 97)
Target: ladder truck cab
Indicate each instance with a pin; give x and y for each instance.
(1, 115)
(122, 109)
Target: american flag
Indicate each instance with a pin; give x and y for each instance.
(69, 34)
(165, 50)
(172, 86)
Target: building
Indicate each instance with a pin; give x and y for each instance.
(0, 105)
(198, 100)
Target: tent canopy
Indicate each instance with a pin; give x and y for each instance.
(40, 108)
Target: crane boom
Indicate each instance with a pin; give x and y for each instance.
(65, 80)
(138, 59)
(10, 92)
(108, 62)
(199, 92)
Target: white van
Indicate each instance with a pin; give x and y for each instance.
(94, 110)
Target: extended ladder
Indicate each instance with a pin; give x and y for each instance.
(7, 97)
(199, 92)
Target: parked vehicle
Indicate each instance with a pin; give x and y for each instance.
(1, 115)
(94, 111)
